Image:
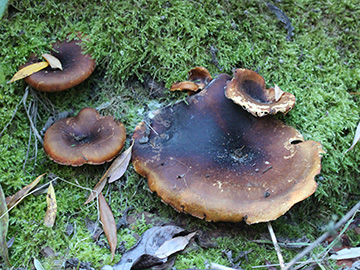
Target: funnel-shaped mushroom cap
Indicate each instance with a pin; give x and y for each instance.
(198, 78)
(87, 138)
(76, 68)
(248, 89)
(210, 158)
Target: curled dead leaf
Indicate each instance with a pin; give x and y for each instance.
(52, 60)
(173, 245)
(51, 210)
(109, 225)
(278, 92)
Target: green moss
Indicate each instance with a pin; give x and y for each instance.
(135, 40)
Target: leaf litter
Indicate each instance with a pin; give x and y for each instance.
(155, 247)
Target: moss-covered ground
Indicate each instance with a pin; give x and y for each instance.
(137, 44)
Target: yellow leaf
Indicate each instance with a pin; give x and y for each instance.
(109, 225)
(18, 196)
(52, 60)
(28, 70)
(51, 210)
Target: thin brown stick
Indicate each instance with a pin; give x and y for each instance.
(323, 237)
(276, 245)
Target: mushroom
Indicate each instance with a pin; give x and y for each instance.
(210, 158)
(77, 67)
(247, 89)
(87, 138)
(198, 78)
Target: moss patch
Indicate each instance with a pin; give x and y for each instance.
(141, 43)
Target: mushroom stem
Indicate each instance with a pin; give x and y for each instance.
(276, 245)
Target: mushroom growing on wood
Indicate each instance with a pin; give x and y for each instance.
(210, 158)
(247, 89)
(87, 138)
(76, 65)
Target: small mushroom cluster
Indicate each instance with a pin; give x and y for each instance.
(87, 138)
(219, 161)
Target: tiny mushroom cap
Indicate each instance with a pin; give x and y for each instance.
(76, 65)
(87, 138)
(210, 158)
(198, 78)
(247, 89)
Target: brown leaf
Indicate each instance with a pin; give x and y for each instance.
(52, 60)
(4, 223)
(109, 225)
(98, 187)
(18, 196)
(28, 70)
(51, 210)
(120, 164)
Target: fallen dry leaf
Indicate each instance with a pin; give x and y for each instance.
(28, 70)
(18, 196)
(51, 210)
(278, 92)
(98, 187)
(120, 164)
(109, 225)
(115, 171)
(4, 223)
(173, 245)
(356, 138)
(142, 254)
(52, 60)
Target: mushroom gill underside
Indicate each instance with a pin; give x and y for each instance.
(212, 159)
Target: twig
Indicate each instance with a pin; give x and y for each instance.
(216, 266)
(323, 237)
(276, 245)
(31, 122)
(301, 264)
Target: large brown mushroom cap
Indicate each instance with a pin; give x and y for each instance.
(76, 68)
(247, 89)
(87, 138)
(210, 158)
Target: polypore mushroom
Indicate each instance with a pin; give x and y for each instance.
(210, 158)
(198, 78)
(76, 65)
(247, 89)
(87, 138)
